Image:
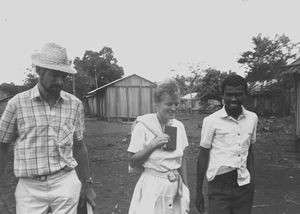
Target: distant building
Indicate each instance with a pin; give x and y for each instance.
(3, 103)
(125, 98)
(190, 102)
(7, 91)
(268, 98)
(294, 70)
(4, 94)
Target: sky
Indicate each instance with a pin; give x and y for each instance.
(155, 39)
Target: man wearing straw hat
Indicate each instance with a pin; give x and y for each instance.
(46, 126)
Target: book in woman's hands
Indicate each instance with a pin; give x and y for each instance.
(172, 132)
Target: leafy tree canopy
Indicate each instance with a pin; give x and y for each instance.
(210, 84)
(100, 66)
(189, 84)
(31, 79)
(264, 62)
(206, 82)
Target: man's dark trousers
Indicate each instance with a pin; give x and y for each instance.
(225, 196)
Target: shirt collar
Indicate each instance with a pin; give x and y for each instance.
(223, 113)
(35, 93)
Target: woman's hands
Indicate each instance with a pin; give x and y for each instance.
(137, 159)
(160, 141)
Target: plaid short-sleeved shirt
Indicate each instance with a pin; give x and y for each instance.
(42, 136)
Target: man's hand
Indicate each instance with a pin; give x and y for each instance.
(200, 203)
(87, 195)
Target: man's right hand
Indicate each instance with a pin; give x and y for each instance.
(200, 203)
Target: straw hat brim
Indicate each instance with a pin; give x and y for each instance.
(59, 67)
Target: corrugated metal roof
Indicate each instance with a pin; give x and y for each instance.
(295, 63)
(6, 98)
(113, 82)
(292, 68)
(189, 96)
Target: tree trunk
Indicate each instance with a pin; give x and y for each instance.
(96, 81)
(73, 84)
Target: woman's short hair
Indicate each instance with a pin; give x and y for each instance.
(234, 80)
(168, 86)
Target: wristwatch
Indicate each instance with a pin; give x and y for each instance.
(89, 180)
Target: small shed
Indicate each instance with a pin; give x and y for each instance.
(269, 98)
(294, 69)
(4, 97)
(190, 102)
(4, 94)
(125, 98)
(3, 103)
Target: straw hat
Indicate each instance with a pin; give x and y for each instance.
(54, 57)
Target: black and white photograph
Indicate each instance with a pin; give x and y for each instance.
(149, 107)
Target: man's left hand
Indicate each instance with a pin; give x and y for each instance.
(87, 195)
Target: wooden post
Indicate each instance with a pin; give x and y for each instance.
(297, 84)
(107, 104)
(127, 102)
(117, 101)
(151, 100)
(73, 85)
(140, 100)
(98, 104)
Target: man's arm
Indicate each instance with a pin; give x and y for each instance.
(3, 158)
(81, 156)
(250, 163)
(183, 170)
(202, 165)
(8, 132)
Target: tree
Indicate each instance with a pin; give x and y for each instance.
(11, 88)
(182, 84)
(210, 84)
(268, 56)
(206, 82)
(100, 66)
(31, 79)
(189, 84)
(83, 83)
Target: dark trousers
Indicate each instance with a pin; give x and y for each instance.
(226, 197)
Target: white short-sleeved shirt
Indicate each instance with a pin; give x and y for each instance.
(159, 159)
(229, 140)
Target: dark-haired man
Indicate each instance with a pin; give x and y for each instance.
(46, 126)
(226, 153)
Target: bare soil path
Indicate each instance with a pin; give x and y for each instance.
(277, 166)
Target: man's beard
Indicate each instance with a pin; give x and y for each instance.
(53, 89)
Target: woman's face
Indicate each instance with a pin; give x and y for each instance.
(166, 108)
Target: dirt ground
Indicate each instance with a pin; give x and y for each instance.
(277, 166)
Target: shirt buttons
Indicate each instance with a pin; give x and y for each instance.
(239, 134)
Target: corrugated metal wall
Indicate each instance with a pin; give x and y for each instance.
(128, 98)
(297, 81)
(129, 102)
(277, 104)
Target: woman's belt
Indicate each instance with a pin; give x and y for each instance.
(183, 192)
(171, 175)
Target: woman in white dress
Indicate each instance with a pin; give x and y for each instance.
(162, 187)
